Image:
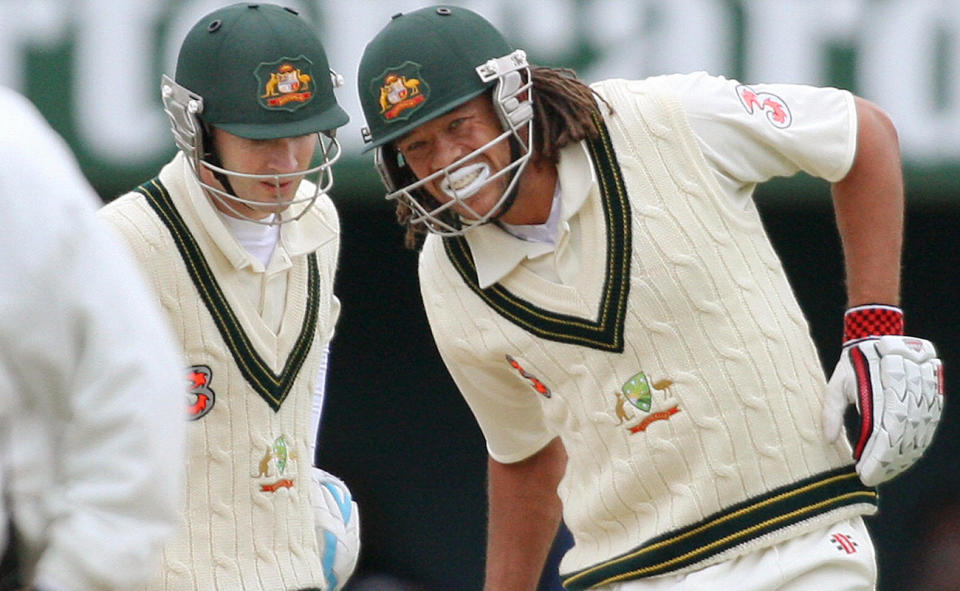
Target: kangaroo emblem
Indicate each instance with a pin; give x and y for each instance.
(638, 391)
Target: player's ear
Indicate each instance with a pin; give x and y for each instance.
(397, 172)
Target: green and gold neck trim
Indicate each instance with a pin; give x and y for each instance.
(606, 331)
(272, 387)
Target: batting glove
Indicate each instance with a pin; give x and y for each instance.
(337, 521)
(896, 383)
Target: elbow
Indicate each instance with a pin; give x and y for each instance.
(876, 125)
(881, 120)
(878, 143)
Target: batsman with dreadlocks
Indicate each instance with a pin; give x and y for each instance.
(242, 249)
(601, 289)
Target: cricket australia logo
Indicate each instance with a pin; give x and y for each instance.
(285, 84)
(636, 394)
(200, 397)
(776, 110)
(400, 91)
(276, 466)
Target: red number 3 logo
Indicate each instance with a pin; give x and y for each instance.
(200, 397)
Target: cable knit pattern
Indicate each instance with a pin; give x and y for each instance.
(734, 379)
(247, 518)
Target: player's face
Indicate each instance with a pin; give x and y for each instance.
(438, 143)
(278, 156)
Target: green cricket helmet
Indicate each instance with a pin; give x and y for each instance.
(422, 65)
(258, 71)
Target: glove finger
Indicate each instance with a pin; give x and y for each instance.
(912, 348)
(931, 399)
(900, 383)
(902, 431)
(903, 393)
(931, 374)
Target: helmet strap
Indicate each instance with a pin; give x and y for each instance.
(211, 153)
(512, 195)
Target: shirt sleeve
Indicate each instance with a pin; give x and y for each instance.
(511, 420)
(751, 133)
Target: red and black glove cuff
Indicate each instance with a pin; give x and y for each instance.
(871, 320)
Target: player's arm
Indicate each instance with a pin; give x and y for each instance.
(869, 205)
(895, 381)
(524, 518)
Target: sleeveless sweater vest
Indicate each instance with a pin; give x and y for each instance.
(688, 400)
(247, 519)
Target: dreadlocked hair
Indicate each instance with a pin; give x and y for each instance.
(565, 111)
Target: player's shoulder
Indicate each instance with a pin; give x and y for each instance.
(624, 93)
(433, 263)
(132, 203)
(676, 81)
(683, 85)
(131, 216)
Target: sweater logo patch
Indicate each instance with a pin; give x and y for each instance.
(276, 466)
(539, 386)
(776, 110)
(200, 397)
(637, 394)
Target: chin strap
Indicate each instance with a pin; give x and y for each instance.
(211, 154)
(512, 195)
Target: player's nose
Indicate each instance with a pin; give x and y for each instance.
(283, 155)
(446, 151)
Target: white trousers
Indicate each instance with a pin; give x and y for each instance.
(836, 558)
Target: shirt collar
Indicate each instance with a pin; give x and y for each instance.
(496, 253)
(545, 232)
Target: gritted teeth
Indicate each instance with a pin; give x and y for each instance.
(466, 180)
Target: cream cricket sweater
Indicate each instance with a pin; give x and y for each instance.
(247, 519)
(676, 367)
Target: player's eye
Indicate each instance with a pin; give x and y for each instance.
(412, 151)
(413, 147)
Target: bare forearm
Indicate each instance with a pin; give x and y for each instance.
(869, 206)
(525, 514)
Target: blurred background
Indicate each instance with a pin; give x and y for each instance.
(394, 426)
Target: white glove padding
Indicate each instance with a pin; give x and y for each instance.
(896, 383)
(337, 520)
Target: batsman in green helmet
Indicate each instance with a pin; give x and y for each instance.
(600, 286)
(240, 239)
